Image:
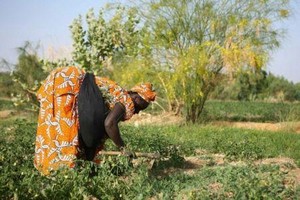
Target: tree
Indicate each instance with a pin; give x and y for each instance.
(113, 44)
(250, 84)
(105, 38)
(258, 85)
(297, 93)
(194, 42)
(281, 89)
(27, 75)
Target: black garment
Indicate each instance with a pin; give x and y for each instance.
(92, 112)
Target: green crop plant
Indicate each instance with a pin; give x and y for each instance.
(116, 178)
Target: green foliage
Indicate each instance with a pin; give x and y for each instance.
(7, 85)
(27, 75)
(281, 89)
(28, 68)
(6, 104)
(219, 140)
(115, 45)
(257, 85)
(250, 111)
(250, 84)
(245, 149)
(194, 42)
(225, 183)
(182, 47)
(115, 178)
(22, 83)
(104, 40)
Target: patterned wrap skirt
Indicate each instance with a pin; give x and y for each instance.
(57, 131)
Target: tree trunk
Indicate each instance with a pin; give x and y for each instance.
(196, 108)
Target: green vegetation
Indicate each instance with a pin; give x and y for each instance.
(192, 51)
(235, 143)
(6, 104)
(21, 84)
(183, 47)
(196, 42)
(6, 84)
(258, 85)
(115, 178)
(250, 111)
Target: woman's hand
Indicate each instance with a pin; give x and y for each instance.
(127, 152)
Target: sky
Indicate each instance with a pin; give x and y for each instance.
(47, 22)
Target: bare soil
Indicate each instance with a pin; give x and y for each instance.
(165, 118)
(168, 118)
(193, 163)
(5, 113)
(289, 126)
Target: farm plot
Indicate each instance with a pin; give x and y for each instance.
(248, 111)
(198, 162)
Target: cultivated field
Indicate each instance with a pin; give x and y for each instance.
(213, 160)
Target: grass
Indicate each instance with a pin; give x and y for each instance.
(6, 104)
(235, 143)
(117, 179)
(251, 111)
(229, 182)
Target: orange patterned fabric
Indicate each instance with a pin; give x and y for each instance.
(56, 139)
(57, 131)
(145, 91)
(113, 93)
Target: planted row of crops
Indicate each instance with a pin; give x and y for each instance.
(116, 178)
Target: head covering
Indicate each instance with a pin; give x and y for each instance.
(145, 91)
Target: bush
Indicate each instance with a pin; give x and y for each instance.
(7, 85)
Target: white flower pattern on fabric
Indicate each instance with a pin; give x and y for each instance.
(57, 131)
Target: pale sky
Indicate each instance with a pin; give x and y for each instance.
(47, 22)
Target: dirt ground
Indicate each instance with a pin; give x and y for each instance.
(169, 118)
(289, 126)
(165, 118)
(5, 113)
(203, 158)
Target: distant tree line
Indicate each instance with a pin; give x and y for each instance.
(21, 84)
(258, 85)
